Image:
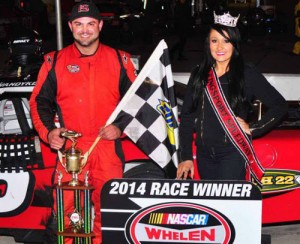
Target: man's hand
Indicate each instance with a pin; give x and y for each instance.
(110, 132)
(55, 140)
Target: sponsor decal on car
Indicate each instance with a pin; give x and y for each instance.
(17, 84)
(279, 180)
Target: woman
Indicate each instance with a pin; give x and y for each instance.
(217, 106)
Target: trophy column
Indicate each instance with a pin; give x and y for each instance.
(80, 225)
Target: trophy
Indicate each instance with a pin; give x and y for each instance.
(72, 159)
(80, 219)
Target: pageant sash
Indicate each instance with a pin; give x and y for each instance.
(232, 128)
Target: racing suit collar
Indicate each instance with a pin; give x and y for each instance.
(83, 57)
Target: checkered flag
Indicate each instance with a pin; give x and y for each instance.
(148, 112)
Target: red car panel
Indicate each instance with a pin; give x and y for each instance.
(279, 150)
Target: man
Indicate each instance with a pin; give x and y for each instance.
(89, 81)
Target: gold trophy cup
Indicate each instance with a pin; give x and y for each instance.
(72, 158)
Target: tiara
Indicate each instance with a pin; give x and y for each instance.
(225, 19)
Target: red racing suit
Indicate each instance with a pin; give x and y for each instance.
(83, 91)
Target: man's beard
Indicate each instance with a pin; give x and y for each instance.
(86, 43)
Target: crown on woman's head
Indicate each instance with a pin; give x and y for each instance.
(226, 19)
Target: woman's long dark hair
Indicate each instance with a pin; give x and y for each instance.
(235, 74)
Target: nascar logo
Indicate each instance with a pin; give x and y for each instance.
(178, 219)
(177, 223)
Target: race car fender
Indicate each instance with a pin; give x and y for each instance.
(16, 192)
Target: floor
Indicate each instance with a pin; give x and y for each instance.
(282, 234)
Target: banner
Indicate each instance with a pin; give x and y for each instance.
(173, 211)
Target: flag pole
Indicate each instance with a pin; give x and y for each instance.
(87, 154)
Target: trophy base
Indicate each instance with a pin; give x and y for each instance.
(79, 233)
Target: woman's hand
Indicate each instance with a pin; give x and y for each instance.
(244, 125)
(184, 168)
